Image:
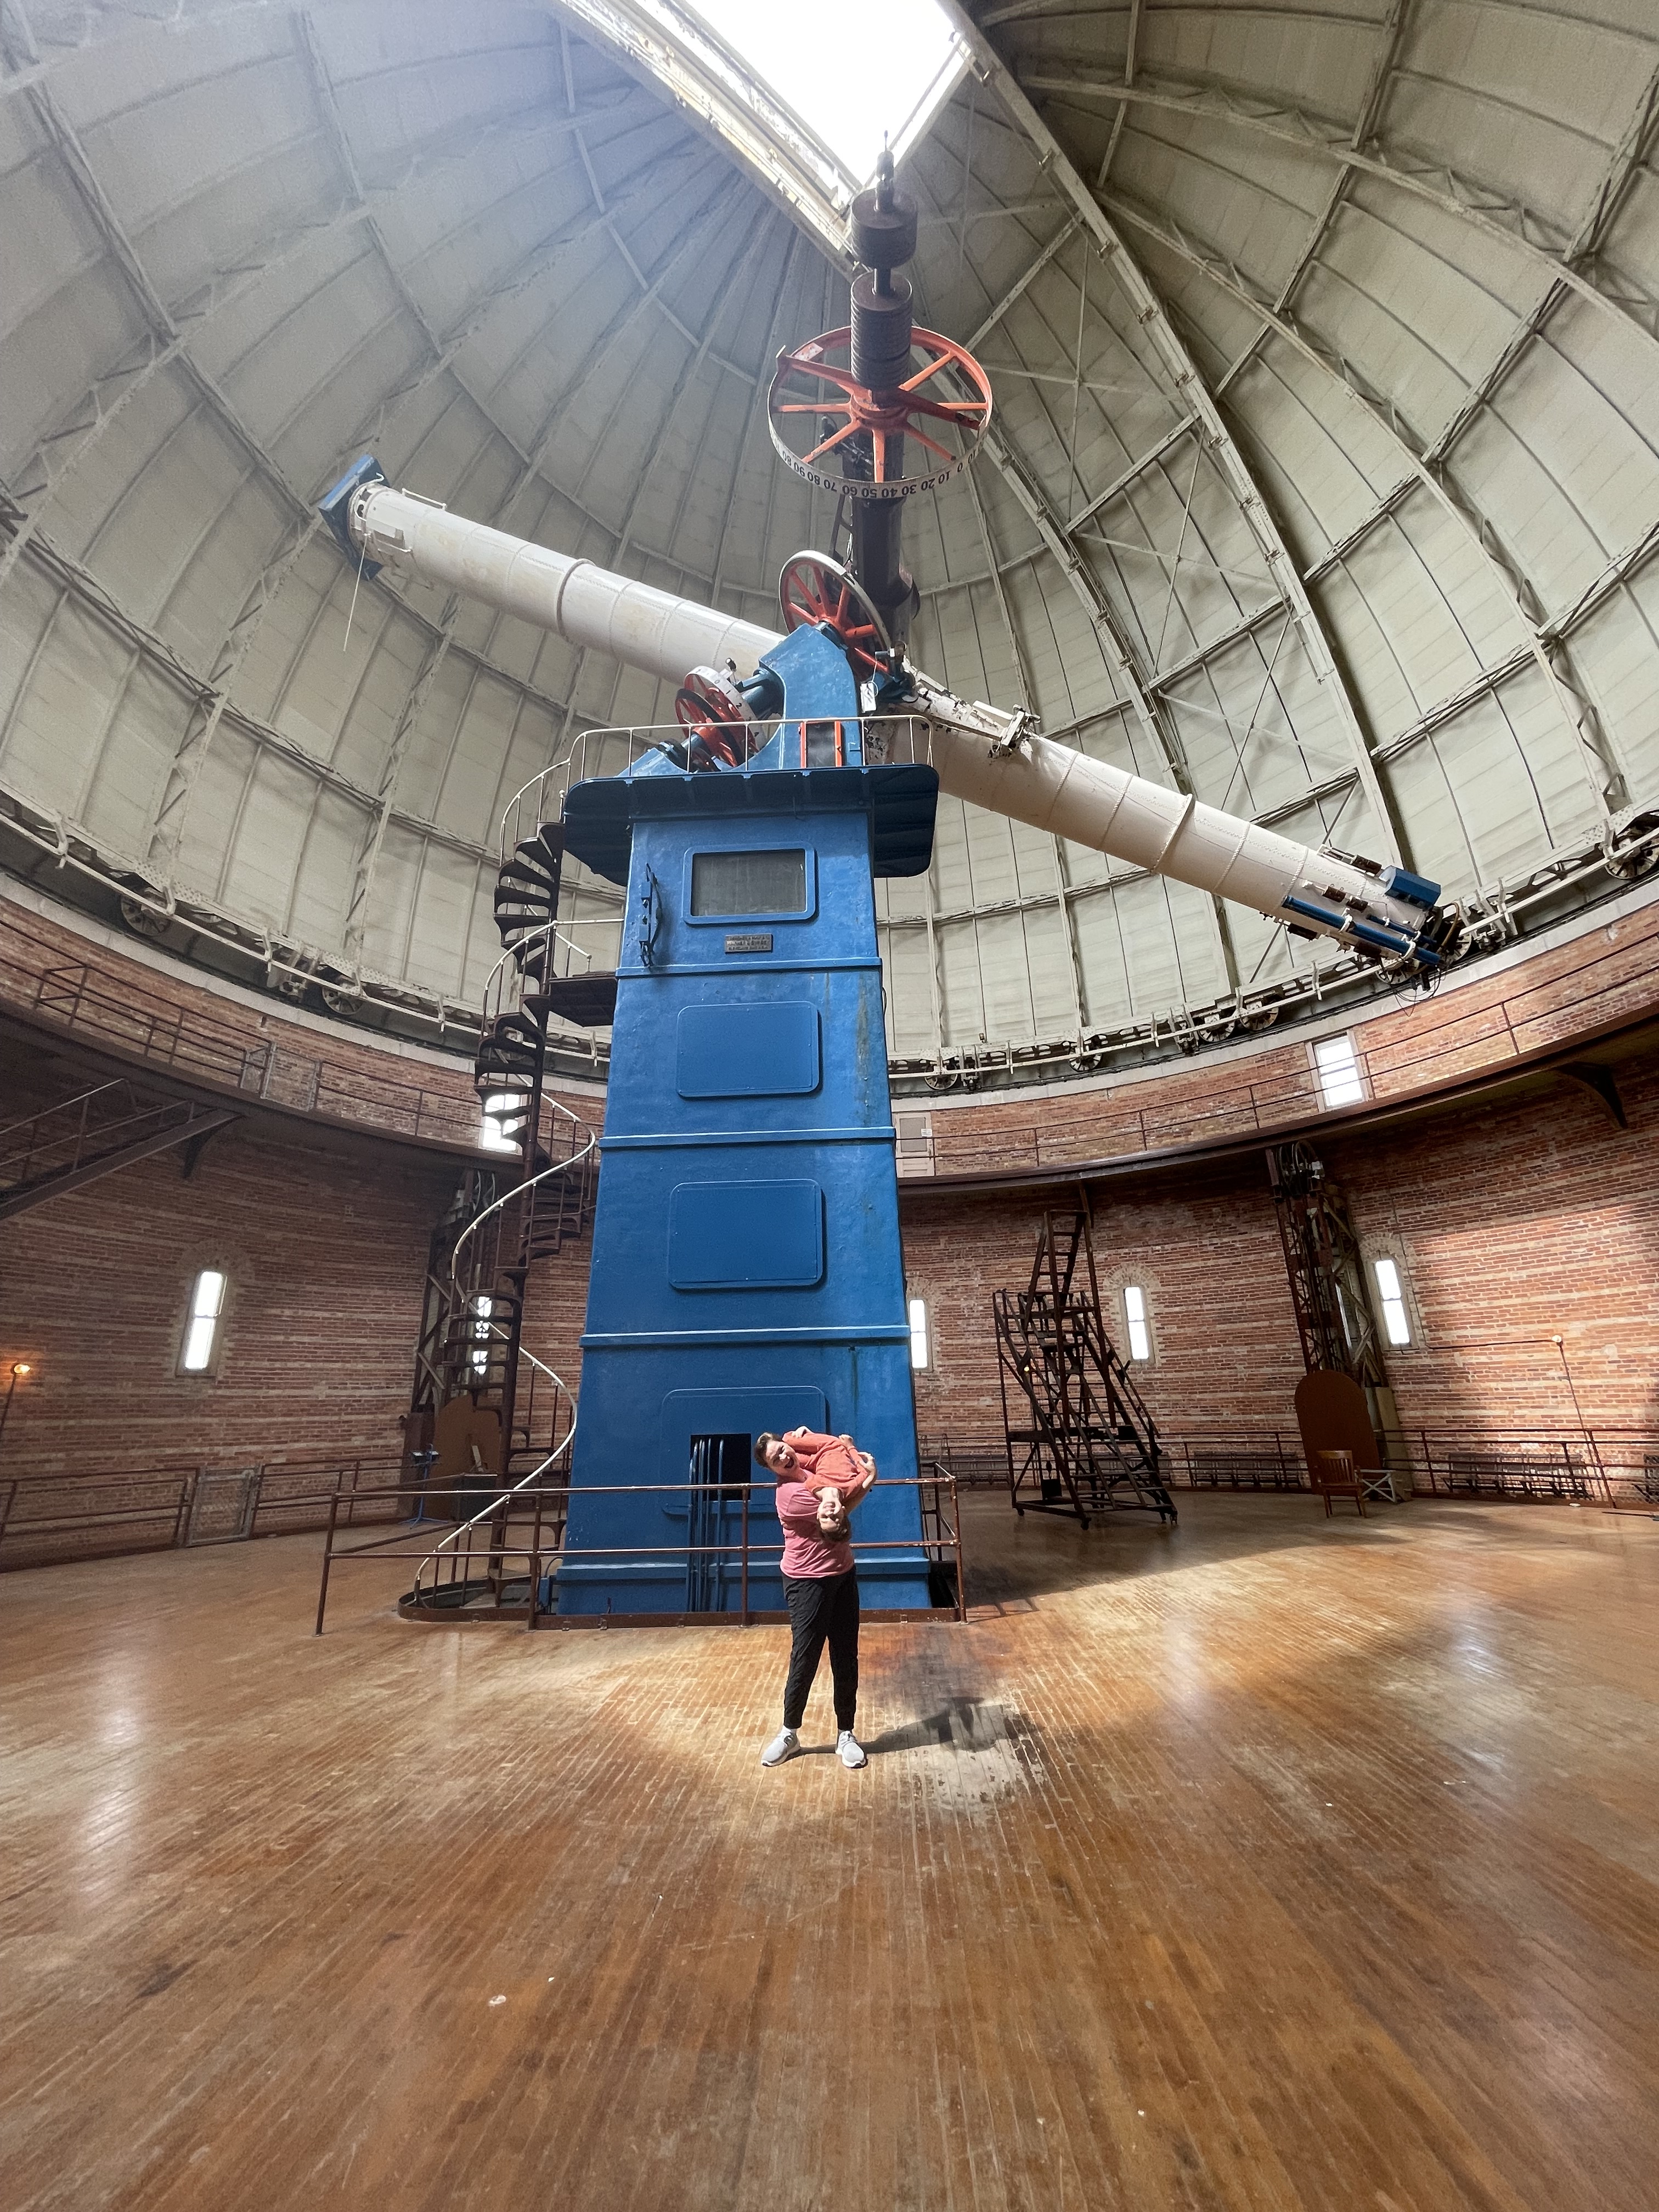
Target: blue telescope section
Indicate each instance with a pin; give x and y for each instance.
(747, 1272)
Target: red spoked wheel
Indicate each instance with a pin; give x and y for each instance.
(814, 589)
(705, 715)
(825, 406)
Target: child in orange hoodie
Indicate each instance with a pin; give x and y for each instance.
(832, 1468)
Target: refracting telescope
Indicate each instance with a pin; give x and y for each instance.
(873, 413)
(747, 1272)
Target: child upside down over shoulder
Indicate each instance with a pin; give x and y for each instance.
(834, 1469)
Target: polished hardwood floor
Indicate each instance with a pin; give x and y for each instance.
(1271, 1862)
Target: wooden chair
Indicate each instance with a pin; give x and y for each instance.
(1334, 1474)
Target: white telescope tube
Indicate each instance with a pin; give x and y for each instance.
(982, 756)
(981, 753)
(633, 623)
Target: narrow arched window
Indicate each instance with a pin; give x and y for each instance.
(207, 1305)
(1396, 1322)
(1134, 1313)
(920, 1350)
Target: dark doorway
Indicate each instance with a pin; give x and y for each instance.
(720, 1470)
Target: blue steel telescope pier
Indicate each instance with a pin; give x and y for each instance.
(746, 1269)
(747, 1272)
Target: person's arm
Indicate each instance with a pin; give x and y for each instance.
(798, 1508)
(860, 1484)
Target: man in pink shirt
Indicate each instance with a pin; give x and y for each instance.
(819, 1480)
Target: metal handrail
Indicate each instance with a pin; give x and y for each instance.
(85, 1502)
(487, 1511)
(639, 738)
(1610, 1465)
(81, 1098)
(555, 1167)
(948, 1539)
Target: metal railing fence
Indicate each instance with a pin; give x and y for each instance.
(1560, 1464)
(495, 1565)
(51, 1520)
(888, 740)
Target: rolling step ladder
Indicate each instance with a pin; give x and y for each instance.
(1079, 1439)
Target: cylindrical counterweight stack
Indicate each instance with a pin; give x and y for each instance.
(884, 235)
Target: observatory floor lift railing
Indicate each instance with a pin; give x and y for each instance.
(501, 1565)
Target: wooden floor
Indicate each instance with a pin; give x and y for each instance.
(1275, 1861)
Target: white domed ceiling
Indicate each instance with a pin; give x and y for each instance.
(1324, 480)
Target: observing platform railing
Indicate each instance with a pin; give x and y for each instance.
(495, 1566)
(358, 1084)
(888, 740)
(48, 1520)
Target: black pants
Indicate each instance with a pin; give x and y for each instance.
(820, 1607)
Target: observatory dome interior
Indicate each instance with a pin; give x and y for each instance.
(1323, 480)
(461, 861)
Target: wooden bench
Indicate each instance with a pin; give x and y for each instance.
(1241, 1470)
(1516, 1474)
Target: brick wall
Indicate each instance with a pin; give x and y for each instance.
(325, 1243)
(1603, 974)
(1205, 1251)
(1512, 1223)
(69, 980)
(1515, 1223)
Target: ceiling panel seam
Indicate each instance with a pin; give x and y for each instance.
(198, 735)
(1183, 370)
(151, 307)
(1611, 580)
(554, 419)
(1626, 158)
(754, 131)
(1024, 282)
(1028, 700)
(1391, 33)
(1137, 468)
(1102, 615)
(1131, 52)
(1578, 715)
(1148, 710)
(797, 239)
(98, 600)
(1210, 100)
(693, 361)
(334, 129)
(238, 640)
(85, 422)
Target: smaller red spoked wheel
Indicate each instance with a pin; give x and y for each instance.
(814, 589)
(703, 715)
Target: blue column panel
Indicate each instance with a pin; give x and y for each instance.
(747, 1272)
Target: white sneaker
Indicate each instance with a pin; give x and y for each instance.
(849, 1750)
(784, 1745)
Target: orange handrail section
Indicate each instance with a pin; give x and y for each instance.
(505, 1557)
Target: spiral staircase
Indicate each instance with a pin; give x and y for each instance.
(505, 1222)
(508, 1218)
